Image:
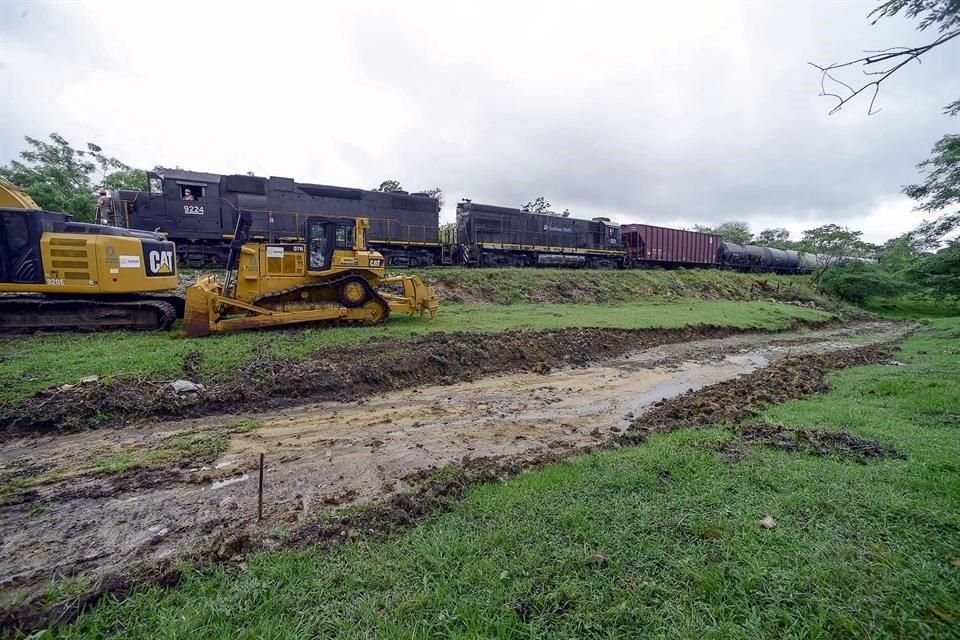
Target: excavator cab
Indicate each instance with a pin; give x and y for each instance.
(330, 276)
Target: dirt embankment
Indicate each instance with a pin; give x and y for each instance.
(513, 286)
(346, 373)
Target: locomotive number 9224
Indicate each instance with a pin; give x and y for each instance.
(193, 210)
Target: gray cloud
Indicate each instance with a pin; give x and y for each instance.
(627, 110)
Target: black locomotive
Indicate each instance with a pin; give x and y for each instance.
(198, 211)
(492, 236)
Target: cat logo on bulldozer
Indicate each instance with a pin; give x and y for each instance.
(161, 261)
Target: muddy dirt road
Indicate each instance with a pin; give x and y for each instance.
(84, 511)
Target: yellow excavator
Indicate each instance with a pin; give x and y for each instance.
(330, 276)
(64, 275)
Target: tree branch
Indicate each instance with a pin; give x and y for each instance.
(902, 56)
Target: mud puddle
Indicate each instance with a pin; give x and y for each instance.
(318, 456)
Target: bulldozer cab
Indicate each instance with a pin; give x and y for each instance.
(324, 236)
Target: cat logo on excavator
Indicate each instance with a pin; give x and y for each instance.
(331, 276)
(161, 261)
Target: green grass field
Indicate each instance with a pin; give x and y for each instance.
(30, 363)
(859, 551)
(912, 309)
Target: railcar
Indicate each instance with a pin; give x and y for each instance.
(652, 246)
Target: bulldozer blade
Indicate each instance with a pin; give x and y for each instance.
(417, 298)
(199, 309)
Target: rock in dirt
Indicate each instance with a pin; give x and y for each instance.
(185, 386)
(228, 546)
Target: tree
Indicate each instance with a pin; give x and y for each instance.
(540, 205)
(59, 177)
(857, 281)
(388, 186)
(448, 233)
(882, 64)
(436, 193)
(939, 274)
(939, 191)
(127, 179)
(735, 231)
(832, 244)
(778, 238)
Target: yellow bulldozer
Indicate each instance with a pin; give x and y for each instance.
(330, 276)
(57, 274)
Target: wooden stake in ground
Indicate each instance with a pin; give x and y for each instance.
(260, 493)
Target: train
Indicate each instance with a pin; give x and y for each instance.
(198, 211)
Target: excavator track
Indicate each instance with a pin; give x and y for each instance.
(29, 313)
(328, 285)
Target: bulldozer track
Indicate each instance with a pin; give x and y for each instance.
(327, 285)
(25, 314)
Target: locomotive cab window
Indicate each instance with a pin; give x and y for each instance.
(156, 186)
(193, 192)
(344, 237)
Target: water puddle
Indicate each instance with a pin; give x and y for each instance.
(219, 484)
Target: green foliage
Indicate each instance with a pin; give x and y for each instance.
(126, 179)
(939, 192)
(171, 450)
(832, 243)
(448, 233)
(941, 187)
(117, 463)
(539, 205)
(857, 281)
(61, 178)
(735, 231)
(542, 206)
(436, 193)
(778, 238)
(859, 551)
(244, 425)
(939, 274)
(389, 186)
(898, 254)
(943, 13)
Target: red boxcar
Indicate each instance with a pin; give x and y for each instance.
(650, 245)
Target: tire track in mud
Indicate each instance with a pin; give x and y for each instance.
(407, 456)
(349, 374)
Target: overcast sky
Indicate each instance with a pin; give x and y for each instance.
(664, 113)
